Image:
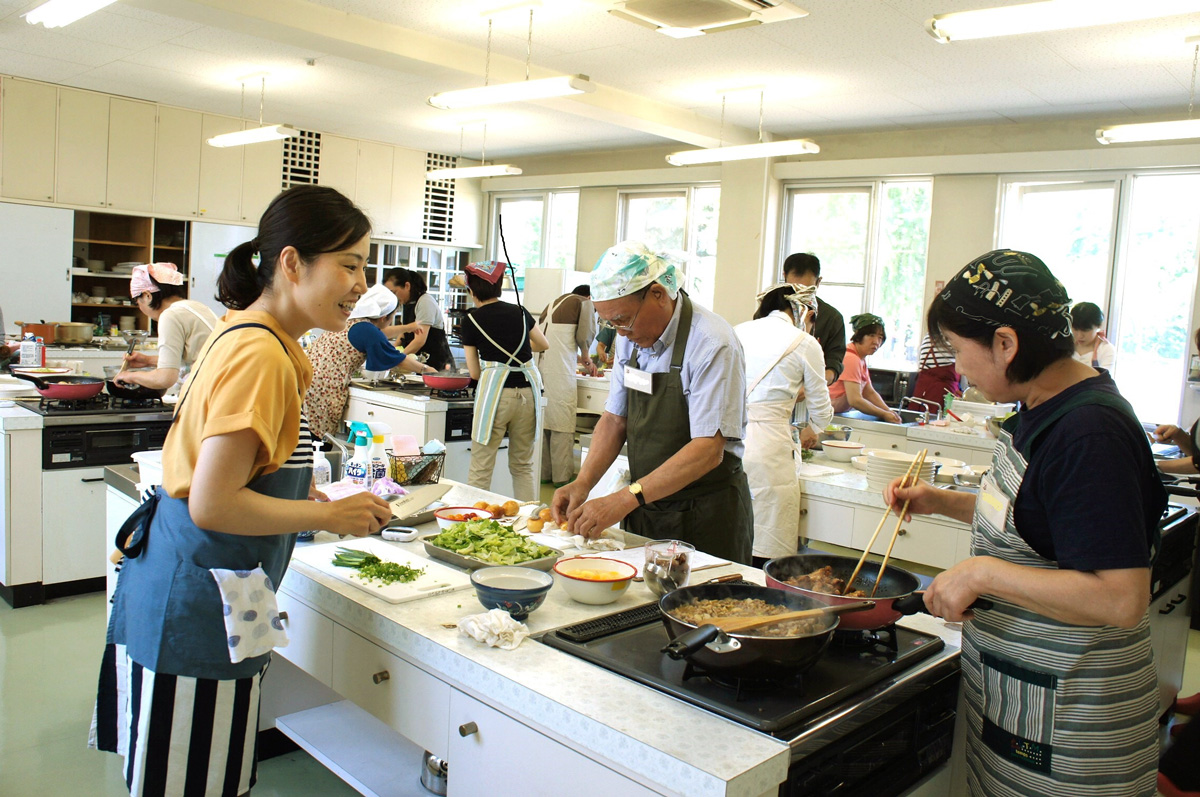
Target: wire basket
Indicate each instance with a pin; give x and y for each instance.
(416, 468)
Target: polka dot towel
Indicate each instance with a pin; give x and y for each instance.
(252, 624)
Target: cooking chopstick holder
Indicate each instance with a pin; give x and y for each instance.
(251, 614)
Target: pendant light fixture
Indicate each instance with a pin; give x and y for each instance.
(1049, 15)
(1159, 131)
(58, 13)
(255, 135)
(521, 91)
(763, 149)
(483, 169)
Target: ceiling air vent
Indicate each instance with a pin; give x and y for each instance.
(706, 16)
(301, 159)
(439, 200)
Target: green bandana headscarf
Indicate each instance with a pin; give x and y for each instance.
(857, 322)
(628, 267)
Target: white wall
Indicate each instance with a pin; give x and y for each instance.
(961, 226)
(597, 228)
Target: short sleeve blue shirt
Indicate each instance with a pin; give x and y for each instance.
(370, 340)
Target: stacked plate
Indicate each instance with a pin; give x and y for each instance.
(884, 466)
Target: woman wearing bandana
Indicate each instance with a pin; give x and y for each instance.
(784, 365)
(1059, 680)
(853, 389)
(183, 326)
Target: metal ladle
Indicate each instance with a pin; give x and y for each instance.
(663, 575)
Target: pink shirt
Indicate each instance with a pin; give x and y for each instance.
(854, 370)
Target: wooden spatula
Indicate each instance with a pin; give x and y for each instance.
(732, 625)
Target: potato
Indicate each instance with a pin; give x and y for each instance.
(497, 512)
(544, 514)
(511, 508)
(480, 505)
(535, 525)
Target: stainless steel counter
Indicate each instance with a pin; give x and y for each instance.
(124, 478)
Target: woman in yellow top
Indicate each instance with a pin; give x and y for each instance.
(194, 616)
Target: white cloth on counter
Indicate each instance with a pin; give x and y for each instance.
(579, 541)
(252, 624)
(496, 628)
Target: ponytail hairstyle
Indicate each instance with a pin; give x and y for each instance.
(403, 276)
(313, 219)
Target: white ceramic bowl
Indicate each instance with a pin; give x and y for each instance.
(447, 516)
(573, 575)
(841, 450)
(859, 463)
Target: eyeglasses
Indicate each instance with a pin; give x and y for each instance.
(624, 327)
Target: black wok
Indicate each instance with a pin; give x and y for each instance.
(754, 656)
(133, 392)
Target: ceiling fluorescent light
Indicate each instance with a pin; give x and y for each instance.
(57, 13)
(521, 91)
(680, 33)
(255, 135)
(495, 170)
(1049, 15)
(1149, 131)
(769, 149)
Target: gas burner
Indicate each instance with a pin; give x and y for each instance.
(747, 688)
(881, 639)
(137, 404)
(99, 402)
(461, 393)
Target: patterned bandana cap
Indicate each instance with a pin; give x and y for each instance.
(165, 273)
(803, 299)
(857, 322)
(627, 268)
(1010, 288)
(490, 270)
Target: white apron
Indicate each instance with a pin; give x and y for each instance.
(770, 464)
(557, 366)
(491, 382)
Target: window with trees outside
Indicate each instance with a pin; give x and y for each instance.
(539, 230)
(681, 222)
(872, 239)
(1128, 243)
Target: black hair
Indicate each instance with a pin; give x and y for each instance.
(482, 289)
(774, 300)
(165, 291)
(1085, 315)
(1035, 352)
(583, 290)
(869, 329)
(802, 263)
(314, 219)
(403, 276)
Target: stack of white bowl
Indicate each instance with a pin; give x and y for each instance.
(883, 466)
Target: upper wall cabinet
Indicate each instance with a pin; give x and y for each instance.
(339, 164)
(220, 171)
(408, 194)
(83, 128)
(177, 162)
(373, 184)
(262, 177)
(27, 140)
(130, 138)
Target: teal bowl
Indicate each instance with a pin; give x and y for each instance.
(516, 590)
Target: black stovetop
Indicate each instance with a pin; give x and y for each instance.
(629, 644)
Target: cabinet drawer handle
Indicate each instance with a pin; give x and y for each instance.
(803, 512)
(91, 481)
(895, 445)
(902, 533)
(283, 617)
(467, 729)
(937, 453)
(380, 677)
(371, 413)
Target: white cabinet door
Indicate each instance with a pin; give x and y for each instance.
(920, 540)
(27, 124)
(373, 184)
(399, 421)
(74, 532)
(892, 442)
(117, 509)
(481, 755)
(407, 214)
(177, 162)
(35, 262)
(262, 177)
(130, 140)
(82, 174)
(220, 171)
(310, 638)
(339, 163)
(414, 703)
(827, 521)
(210, 243)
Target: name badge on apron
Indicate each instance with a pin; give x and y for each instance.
(992, 504)
(639, 380)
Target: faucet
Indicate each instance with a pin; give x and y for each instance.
(937, 408)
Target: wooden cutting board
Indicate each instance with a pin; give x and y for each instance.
(436, 580)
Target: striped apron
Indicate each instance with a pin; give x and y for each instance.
(491, 382)
(1053, 709)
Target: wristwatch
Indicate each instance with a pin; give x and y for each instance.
(636, 489)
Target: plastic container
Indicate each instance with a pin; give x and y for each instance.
(150, 467)
(322, 470)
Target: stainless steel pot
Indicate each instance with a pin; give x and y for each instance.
(73, 333)
(433, 773)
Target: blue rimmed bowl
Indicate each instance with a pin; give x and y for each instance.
(516, 590)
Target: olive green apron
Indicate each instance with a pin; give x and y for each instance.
(714, 512)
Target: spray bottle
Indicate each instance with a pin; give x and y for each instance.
(357, 467)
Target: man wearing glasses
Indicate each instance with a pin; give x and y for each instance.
(678, 399)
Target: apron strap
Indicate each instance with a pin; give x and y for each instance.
(512, 358)
(682, 331)
(791, 348)
(550, 313)
(187, 389)
(203, 320)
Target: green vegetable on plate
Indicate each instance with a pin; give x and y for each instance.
(488, 541)
(371, 568)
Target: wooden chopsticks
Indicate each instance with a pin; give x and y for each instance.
(899, 522)
(886, 513)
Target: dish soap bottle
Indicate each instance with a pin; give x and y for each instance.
(322, 470)
(358, 466)
(378, 467)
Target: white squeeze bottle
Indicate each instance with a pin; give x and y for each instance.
(322, 470)
(357, 467)
(377, 467)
